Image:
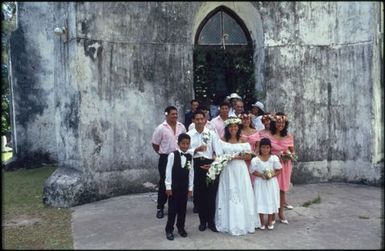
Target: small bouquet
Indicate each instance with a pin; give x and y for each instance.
(217, 166)
(187, 165)
(269, 173)
(287, 155)
(246, 154)
(206, 137)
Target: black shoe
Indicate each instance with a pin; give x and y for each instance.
(212, 228)
(195, 210)
(169, 236)
(202, 227)
(182, 232)
(159, 214)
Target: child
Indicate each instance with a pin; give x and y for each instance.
(266, 189)
(179, 184)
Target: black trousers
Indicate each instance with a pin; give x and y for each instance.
(177, 204)
(205, 194)
(162, 197)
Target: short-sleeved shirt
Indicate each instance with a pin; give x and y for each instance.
(166, 139)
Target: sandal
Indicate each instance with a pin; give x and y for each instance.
(290, 207)
(284, 221)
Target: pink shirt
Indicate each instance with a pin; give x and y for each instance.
(166, 139)
(219, 125)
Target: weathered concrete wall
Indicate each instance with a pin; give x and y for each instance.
(32, 86)
(126, 61)
(320, 71)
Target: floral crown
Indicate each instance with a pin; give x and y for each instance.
(278, 118)
(233, 120)
(244, 115)
(266, 117)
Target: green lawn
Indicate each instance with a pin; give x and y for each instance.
(27, 223)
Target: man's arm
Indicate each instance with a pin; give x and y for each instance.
(156, 148)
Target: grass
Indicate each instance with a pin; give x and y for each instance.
(22, 204)
(314, 201)
(6, 156)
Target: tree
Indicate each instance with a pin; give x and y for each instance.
(8, 24)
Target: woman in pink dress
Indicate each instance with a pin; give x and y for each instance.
(281, 141)
(266, 122)
(250, 135)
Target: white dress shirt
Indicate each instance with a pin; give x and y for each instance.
(170, 164)
(213, 144)
(209, 125)
(257, 121)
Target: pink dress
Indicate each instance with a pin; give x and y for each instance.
(278, 145)
(252, 139)
(264, 133)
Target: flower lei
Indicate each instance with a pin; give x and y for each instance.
(206, 137)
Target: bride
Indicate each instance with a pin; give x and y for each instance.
(234, 212)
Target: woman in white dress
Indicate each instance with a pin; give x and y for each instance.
(266, 189)
(235, 212)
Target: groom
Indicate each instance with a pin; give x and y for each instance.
(207, 140)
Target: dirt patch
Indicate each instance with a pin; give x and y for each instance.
(21, 221)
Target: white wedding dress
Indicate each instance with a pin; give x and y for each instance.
(235, 212)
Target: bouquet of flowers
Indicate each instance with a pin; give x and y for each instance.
(217, 166)
(269, 173)
(187, 165)
(206, 137)
(245, 154)
(287, 155)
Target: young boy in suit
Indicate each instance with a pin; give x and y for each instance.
(179, 185)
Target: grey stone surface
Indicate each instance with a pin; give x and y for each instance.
(93, 101)
(348, 216)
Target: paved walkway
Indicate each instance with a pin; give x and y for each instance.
(349, 216)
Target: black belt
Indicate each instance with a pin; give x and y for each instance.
(201, 158)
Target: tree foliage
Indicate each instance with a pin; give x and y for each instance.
(219, 72)
(8, 24)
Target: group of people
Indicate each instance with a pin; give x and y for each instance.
(251, 185)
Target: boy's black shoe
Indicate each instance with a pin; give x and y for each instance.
(159, 214)
(182, 232)
(212, 228)
(170, 236)
(202, 227)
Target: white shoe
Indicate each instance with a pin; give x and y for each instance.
(284, 221)
(270, 227)
(262, 227)
(273, 222)
(290, 207)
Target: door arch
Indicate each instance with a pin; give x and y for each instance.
(223, 58)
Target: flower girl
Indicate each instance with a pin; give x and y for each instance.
(266, 189)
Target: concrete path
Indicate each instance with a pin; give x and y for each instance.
(349, 216)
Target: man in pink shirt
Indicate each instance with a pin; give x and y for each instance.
(218, 121)
(164, 141)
